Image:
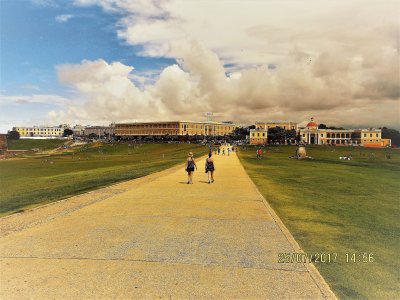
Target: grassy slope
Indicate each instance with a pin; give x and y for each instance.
(28, 144)
(338, 206)
(38, 179)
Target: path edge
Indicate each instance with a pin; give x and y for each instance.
(311, 269)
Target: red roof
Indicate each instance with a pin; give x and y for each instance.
(312, 124)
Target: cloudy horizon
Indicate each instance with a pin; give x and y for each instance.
(241, 60)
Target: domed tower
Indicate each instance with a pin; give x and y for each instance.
(312, 124)
(309, 134)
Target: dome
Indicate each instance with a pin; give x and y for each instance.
(312, 123)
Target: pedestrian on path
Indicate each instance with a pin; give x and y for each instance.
(229, 151)
(189, 167)
(210, 168)
(223, 152)
(219, 150)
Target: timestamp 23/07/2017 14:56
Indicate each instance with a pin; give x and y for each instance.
(328, 257)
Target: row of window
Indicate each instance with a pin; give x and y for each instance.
(133, 126)
(131, 132)
(268, 127)
(371, 141)
(370, 135)
(38, 130)
(258, 134)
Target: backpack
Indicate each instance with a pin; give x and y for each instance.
(209, 164)
(190, 164)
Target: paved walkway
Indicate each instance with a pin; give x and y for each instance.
(156, 237)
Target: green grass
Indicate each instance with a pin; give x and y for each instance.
(28, 144)
(336, 206)
(40, 179)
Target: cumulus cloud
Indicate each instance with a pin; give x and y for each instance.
(336, 60)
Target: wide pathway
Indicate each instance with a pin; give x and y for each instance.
(156, 237)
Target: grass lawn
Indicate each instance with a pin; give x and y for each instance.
(40, 179)
(336, 206)
(28, 144)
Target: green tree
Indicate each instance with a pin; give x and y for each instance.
(281, 135)
(393, 134)
(13, 135)
(68, 132)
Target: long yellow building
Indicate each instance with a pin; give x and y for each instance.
(41, 131)
(173, 128)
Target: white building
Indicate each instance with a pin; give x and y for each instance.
(41, 131)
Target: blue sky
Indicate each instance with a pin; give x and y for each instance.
(33, 42)
(93, 61)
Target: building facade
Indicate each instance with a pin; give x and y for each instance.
(99, 131)
(285, 125)
(371, 137)
(173, 128)
(39, 131)
(3, 144)
(258, 136)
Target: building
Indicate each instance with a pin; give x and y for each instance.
(3, 144)
(78, 130)
(41, 131)
(311, 134)
(258, 136)
(173, 128)
(285, 125)
(99, 131)
(372, 137)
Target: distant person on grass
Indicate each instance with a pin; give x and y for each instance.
(189, 167)
(210, 168)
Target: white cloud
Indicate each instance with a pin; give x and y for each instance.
(337, 60)
(35, 98)
(44, 2)
(29, 86)
(63, 18)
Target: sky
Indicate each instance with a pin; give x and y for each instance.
(101, 61)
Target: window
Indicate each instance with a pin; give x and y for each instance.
(322, 135)
(370, 135)
(263, 134)
(376, 135)
(304, 135)
(258, 134)
(253, 134)
(365, 135)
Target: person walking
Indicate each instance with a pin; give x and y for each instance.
(189, 167)
(219, 150)
(223, 152)
(210, 168)
(229, 151)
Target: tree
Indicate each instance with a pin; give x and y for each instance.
(240, 133)
(281, 135)
(392, 134)
(13, 135)
(322, 126)
(67, 132)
